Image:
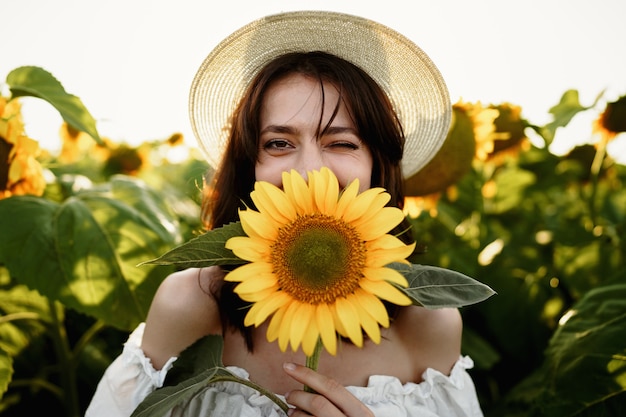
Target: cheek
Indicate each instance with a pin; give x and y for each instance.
(365, 180)
(365, 183)
(268, 174)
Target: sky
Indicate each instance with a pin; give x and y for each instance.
(132, 61)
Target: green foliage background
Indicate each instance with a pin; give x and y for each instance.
(551, 343)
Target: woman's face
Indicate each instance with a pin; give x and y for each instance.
(290, 119)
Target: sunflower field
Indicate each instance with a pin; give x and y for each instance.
(545, 231)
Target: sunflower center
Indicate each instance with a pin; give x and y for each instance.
(318, 258)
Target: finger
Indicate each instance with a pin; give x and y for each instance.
(329, 389)
(307, 404)
(318, 382)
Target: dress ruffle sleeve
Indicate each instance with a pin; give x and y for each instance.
(127, 381)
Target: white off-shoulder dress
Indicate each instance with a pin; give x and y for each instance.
(131, 378)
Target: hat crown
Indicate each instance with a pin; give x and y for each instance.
(412, 82)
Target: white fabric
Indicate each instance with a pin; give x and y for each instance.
(131, 377)
(127, 381)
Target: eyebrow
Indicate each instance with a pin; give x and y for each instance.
(331, 130)
(336, 130)
(279, 129)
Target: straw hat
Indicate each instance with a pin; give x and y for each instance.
(408, 76)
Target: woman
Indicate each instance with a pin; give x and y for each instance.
(313, 90)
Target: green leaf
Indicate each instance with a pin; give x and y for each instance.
(205, 353)
(613, 405)
(567, 108)
(563, 113)
(84, 252)
(161, 401)
(585, 368)
(196, 367)
(26, 237)
(434, 287)
(205, 250)
(147, 206)
(484, 355)
(590, 345)
(23, 316)
(511, 183)
(6, 371)
(37, 82)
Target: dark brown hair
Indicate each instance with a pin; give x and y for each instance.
(376, 123)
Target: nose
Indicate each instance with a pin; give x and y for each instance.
(311, 159)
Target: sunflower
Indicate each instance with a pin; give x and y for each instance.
(317, 261)
(20, 171)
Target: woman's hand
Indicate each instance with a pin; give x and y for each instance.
(330, 399)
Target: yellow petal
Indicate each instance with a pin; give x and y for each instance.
(302, 320)
(284, 334)
(257, 283)
(263, 309)
(377, 204)
(317, 189)
(257, 225)
(273, 201)
(387, 219)
(273, 329)
(374, 306)
(297, 190)
(246, 271)
(361, 204)
(379, 258)
(385, 274)
(384, 242)
(325, 188)
(309, 340)
(337, 322)
(367, 322)
(250, 249)
(345, 199)
(253, 297)
(325, 324)
(386, 291)
(386, 249)
(350, 319)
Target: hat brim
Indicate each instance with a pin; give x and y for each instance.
(408, 76)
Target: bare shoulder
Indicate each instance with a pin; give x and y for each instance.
(182, 311)
(187, 291)
(435, 334)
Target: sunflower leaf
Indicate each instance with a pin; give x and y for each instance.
(205, 250)
(37, 82)
(205, 353)
(197, 367)
(88, 246)
(434, 287)
(161, 401)
(6, 371)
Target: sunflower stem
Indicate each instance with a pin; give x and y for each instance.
(313, 361)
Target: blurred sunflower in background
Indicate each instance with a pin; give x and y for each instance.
(612, 121)
(478, 134)
(20, 171)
